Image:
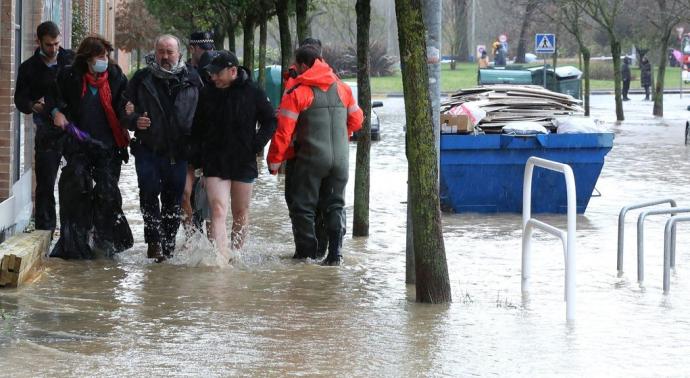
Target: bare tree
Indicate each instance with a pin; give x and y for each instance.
(455, 30)
(664, 16)
(302, 21)
(285, 38)
(530, 8)
(131, 34)
(604, 13)
(571, 17)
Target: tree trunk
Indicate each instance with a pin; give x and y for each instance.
(526, 20)
(248, 43)
(360, 220)
(302, 21)
(618, 77)
(285, 40)
(138, 59)
(218, 37)
(461, 32)
(431, 269)
(231, 37)
(658, 94)
(262, 52)
(586, 59)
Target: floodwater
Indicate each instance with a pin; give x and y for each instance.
(272, 316)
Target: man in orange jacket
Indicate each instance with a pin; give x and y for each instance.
(317, 116)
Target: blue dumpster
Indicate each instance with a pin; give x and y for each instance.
(484, 173)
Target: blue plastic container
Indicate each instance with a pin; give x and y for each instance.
(484, 173)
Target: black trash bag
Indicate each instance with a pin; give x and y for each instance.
(89, 211)
(76, 212)
(112, 233)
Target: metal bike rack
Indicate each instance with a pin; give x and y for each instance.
(640, 235)
(567, 238)
(621, 227)
(670, 249)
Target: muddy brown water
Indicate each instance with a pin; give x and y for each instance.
(273, 316)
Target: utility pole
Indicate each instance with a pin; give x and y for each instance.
(473, 36)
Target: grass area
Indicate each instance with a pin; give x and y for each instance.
(465, 76)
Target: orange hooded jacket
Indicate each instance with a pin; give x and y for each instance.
(300, 98)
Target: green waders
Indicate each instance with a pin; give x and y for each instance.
(317, 177)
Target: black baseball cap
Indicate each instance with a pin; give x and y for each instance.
(222, 59)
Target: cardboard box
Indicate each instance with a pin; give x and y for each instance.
(457, 123)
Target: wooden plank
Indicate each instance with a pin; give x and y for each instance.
(21, 257)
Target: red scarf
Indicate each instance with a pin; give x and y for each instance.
(121, 135)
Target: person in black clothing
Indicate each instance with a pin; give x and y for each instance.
(646, 76)
(35, 77)
(625, 72)
(226, 134)
(164, 95)
(89, 95)
(201, 48)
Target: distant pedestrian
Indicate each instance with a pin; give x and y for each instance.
(646, 76)
(499, 54)
(483, 59)
(165, 95)
(34, 81)
(625, 72)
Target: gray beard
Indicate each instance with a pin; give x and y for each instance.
(161, 72)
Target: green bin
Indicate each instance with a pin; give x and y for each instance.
(566, 79)
(273, 82)
(537, 75)
(569, 80)
(503, 76)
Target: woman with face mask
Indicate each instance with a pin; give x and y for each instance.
(90, 103)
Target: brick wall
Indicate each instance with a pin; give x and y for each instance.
(7, 74)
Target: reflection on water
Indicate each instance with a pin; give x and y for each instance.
(270, 315)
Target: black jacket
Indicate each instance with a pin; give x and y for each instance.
(171, 117)
(70, 86)
(36, 80)
(646, 74)
(225, 133)
(625, 72)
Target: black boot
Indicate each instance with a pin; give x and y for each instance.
(335, 245)
(305, 249)
(154, 252)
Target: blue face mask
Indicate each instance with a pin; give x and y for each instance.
(100, 66)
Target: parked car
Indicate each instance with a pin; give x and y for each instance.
(375, 124)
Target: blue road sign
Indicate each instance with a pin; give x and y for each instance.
(545, 43)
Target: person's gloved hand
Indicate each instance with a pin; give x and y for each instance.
(273, 168)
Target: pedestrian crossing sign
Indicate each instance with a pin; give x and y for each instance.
(545, 43)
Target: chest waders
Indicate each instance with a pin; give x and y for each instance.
(319, 173)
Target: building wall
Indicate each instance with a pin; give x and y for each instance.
(7, 75)
(101, 20)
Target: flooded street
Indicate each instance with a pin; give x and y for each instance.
(273, 316)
